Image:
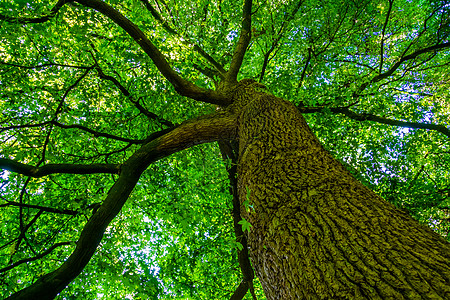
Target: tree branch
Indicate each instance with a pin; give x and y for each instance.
(181, 85)
(69, 89)
(24, 229)
(383, 32)
(97, 133)
(45, 253)
(44, 66)
(210, 73)
(57, 124)
(221, 125)
(43, 208)
(240, 291)
(242, 44)
(374, 118)
(276, 40)
(302, 77)
(126, 93)
(27, 170)
(183, 40)
(42, 19)
(394, 67)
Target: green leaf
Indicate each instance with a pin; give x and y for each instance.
(245, 225)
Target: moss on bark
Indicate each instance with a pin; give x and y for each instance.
(318, 233)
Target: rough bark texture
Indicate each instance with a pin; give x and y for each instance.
(317, 232)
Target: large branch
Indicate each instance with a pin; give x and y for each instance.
(181, 85)
(42, 19)
(242, 44)
(27, 170)
(202, 130)
(374, 118)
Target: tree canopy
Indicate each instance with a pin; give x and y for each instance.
(86, 86)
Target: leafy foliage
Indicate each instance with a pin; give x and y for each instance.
(77, 89)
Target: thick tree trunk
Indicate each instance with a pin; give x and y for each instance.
(318, 233)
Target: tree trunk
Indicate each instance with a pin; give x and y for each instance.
(318, 233)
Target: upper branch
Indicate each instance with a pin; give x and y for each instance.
(242, 44)
(172, 31)
(308, 60)
(434, 48)
(97, 133)
(44, 66)
(393, 68)
(181, 85)
(126, 93)
(374, 118)
(276, 40)
(41, 19)
(383, 32)
(27, 170)
(42, 208)
(57, 124)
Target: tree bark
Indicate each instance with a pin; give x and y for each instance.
(318, 233)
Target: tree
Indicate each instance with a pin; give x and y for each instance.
(95, 94)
